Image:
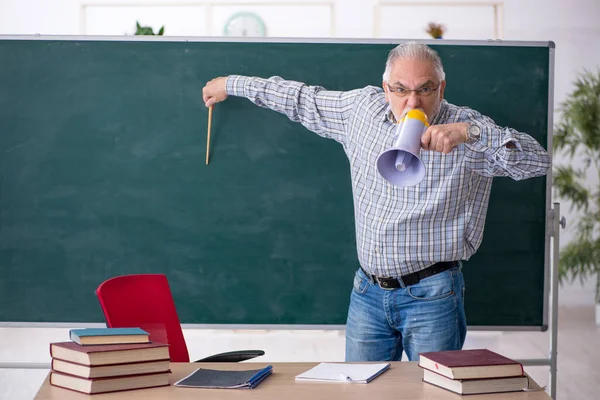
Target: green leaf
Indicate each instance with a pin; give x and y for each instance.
(565, 137)
(146, 30)
(579, 259)
(567, 185)
(586, 227)
(597, 288)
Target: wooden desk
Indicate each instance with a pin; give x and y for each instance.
(401, 381)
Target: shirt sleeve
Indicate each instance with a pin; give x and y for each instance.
(322, 111)
(489, 156)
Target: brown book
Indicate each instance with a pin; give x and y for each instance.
(470, 364)
(105, 354)
(477, 386)
(105, 385)
(103, 371)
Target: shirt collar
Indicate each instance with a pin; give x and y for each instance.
(389, 115)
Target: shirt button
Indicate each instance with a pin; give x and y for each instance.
(380, 219)
(377, 250)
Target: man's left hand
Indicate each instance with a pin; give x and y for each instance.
(444, 138)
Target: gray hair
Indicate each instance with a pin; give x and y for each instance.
(414, 51)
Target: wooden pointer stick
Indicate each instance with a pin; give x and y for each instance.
(210, 109)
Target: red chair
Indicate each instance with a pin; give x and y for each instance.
(145, 301)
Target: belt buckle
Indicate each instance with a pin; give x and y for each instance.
(384, 284)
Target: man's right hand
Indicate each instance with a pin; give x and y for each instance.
(214, 91)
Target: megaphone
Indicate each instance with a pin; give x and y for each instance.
(401, 165)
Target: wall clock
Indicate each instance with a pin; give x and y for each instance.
(245, 24)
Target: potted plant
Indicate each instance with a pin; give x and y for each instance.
(578, 134)
(436, 31)
(147, 30)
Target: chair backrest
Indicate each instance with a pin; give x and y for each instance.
(144, 301)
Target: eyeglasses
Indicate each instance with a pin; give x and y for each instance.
(404, 92)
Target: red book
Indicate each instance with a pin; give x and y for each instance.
(112, 384)
(105, 354)
(470, 364)
(103, 371)
(477, 386)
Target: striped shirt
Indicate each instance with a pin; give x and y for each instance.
(400, 230)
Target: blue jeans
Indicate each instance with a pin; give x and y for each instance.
(428, 316)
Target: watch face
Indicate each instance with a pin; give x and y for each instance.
(473, 133)
(474, 130)
(245, 24)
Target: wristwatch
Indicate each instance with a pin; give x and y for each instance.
(473, 133)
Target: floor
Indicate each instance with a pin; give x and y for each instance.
(578, 351)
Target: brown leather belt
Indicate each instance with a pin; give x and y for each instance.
(412, 278)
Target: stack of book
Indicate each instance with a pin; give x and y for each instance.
(109, 360)
(473, 371)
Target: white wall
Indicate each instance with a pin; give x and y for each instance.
(571, 24)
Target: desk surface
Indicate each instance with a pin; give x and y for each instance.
(401, 381)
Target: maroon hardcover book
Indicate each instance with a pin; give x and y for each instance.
(477, 386)
(108, 353)
(470, 364)
(110, 384)
(108, 370)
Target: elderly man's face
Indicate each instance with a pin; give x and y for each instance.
(413, 84)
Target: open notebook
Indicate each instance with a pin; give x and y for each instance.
(351, 373)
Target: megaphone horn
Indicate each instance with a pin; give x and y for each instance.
(401, 165)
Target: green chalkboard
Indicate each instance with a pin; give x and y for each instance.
(102, 173)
